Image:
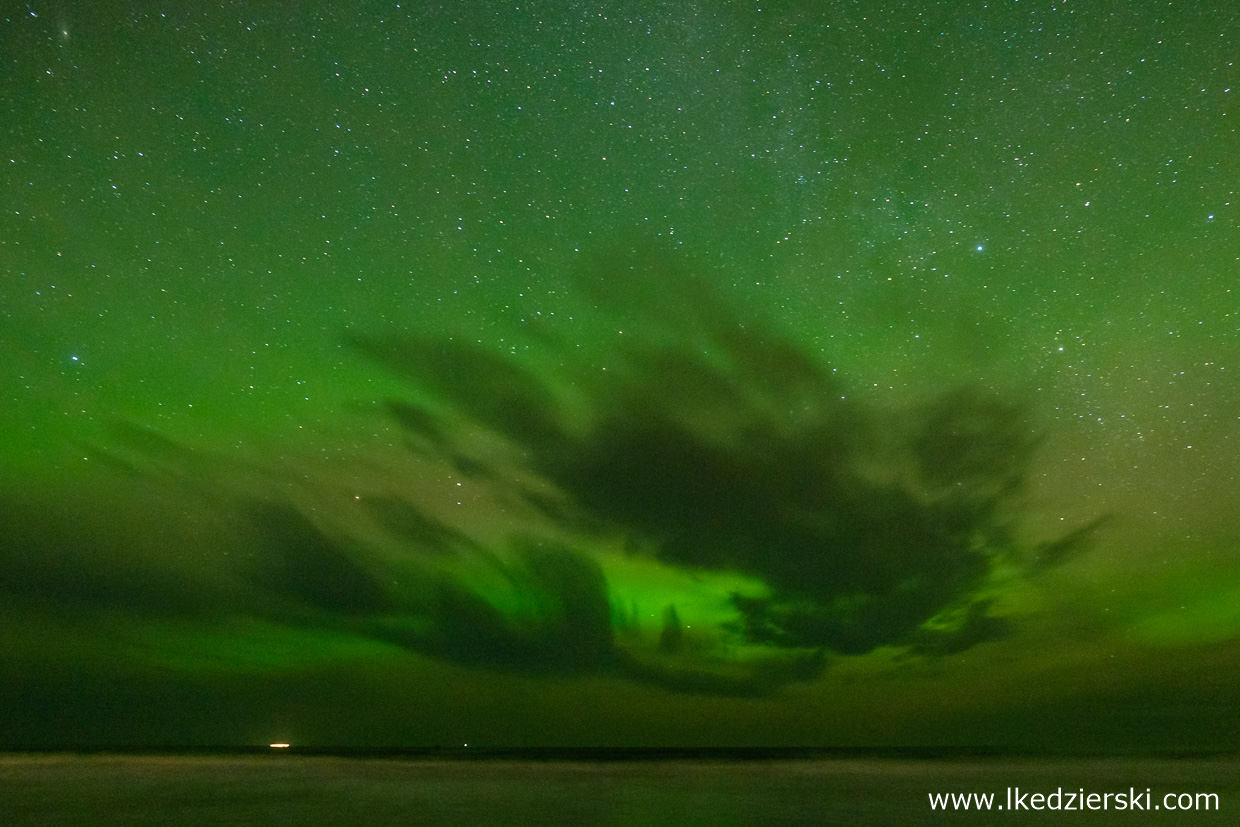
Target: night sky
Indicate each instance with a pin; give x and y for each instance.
(790, 373)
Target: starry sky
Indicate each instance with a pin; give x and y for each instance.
(480, 353)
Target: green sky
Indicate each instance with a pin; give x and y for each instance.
(400, 373)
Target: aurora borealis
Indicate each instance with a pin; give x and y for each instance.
(562, 374)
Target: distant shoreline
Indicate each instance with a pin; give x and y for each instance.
(627, 754)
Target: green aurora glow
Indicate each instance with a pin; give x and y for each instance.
(401, 375)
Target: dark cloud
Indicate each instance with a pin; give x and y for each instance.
(298, 561)
(51, 556)
(715, 446)
(725, 446)
(562, 623)
(413, 525)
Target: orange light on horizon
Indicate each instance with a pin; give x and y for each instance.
(278, 746)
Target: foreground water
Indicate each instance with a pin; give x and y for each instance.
(51, 790)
